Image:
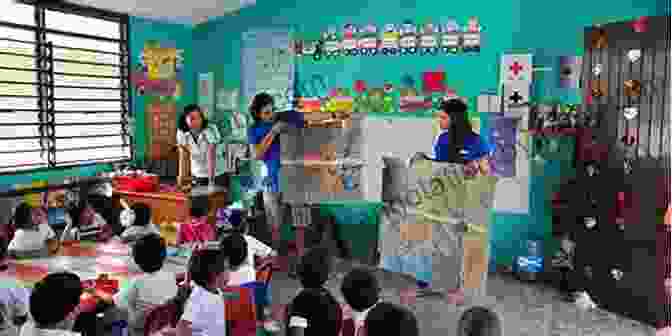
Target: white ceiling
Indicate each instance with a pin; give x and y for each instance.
(189, 12)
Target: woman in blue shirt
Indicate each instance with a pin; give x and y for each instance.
(264, 137)
(457, 142)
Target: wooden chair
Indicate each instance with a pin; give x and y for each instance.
(160, 317)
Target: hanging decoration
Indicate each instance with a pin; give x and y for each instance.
(349, 43)
(409, 38)
(641, 25)
(598, 88)
(598, 38)
(429, 39)
(597, 69)
(390, 40)
(368, 42)
(472, 37)
(634, 55)
(630, 112)
(332, 46)
(450, 37)
(628, 147)
(570, 71)
(633, 88)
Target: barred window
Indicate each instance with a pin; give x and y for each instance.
(64, 80)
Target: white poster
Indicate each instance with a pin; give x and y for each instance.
(268, 66)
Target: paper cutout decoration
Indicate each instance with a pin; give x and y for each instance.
(407, 81)
(632, 87)
(598, 38)
(409, 38)
(570, 71)
(390, 42)
(488, 103)
(349, 42)
(450, 37)
(433, 82)
(641, 25)
(297, 47)
(471, 39)
(597, 69)
(368, 40)
(429, 39)
(516, 68)
(598, 88)
(634, 55)
(630, 113)
(332, 46)
(309, 48)
(360, 86)
(516, 98)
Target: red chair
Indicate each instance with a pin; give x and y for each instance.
(241, 312)
(161, 316)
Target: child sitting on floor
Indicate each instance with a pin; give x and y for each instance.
(138, 222)
(479, 321)
(204, 309)
(314, 311)
(387, 319)
(13, 300)
(84, 223)
(243, 250)
(197, 229)
(361, 292)
(152, 288)
(30, 239)
(54, 305)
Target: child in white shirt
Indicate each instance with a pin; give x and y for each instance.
(54, 306)
(13, 301)
(138, 222)
(242, 249)
(152, 288)
(30, 239)
(204, 313)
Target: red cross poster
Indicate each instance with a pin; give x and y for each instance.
(516, 68)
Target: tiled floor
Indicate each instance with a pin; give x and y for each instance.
(525, 310)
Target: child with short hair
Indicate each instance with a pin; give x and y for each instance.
(13, 300)
(84, 223)
(197, 229)
(387, 319)
(30, 239)
(479, 321)
(243, 250)
(138, 222)
(152, 288)
(204, 313)
(54, 305)
(314, 310)
(361, 292)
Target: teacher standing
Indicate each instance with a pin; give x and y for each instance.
(199, 139)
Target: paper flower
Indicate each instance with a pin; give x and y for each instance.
(641, 25)
(360, 86)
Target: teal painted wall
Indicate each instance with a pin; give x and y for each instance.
(510, 26)
(141, 30)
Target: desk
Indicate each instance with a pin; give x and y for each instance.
(169, 209)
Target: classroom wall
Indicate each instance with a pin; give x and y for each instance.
(509, 26)
(141, 30)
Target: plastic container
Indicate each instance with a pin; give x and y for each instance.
(144, 183)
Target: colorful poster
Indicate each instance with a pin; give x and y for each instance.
(206, 92)
(268, 66)
(515, 68)
(158, 70)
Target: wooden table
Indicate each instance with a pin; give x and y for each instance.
(169, 209)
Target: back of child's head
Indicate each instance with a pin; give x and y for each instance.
(149, 253)
(23, 216)
(143, 214)
(235, 247)
(54, 298)
(360, 289)
(3, 248)
(198, 211)
(390, 319)
(206, 264)
(479, 321)
(315, 267)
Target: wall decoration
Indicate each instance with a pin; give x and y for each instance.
(268, 65)
(390, 40)
(161, 118)
(349, 42)
(516, 95)
(471, 39)
(597, 69)
(227, 100)
(598, 38)
(368, 41)
(632, 88)
(488, 102)
(450, 37)
(409, 38)
(516, 68)
(332, 45)
(429, 39)
(570, 71)
(634, 55)
(641, 25)
(598, 88)
(433, 82)
(206, 93)
(159, 67)
(630, 113)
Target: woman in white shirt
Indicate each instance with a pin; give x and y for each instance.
(200, 140)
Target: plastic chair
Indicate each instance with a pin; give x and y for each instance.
(161, 316)
(241, 313)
